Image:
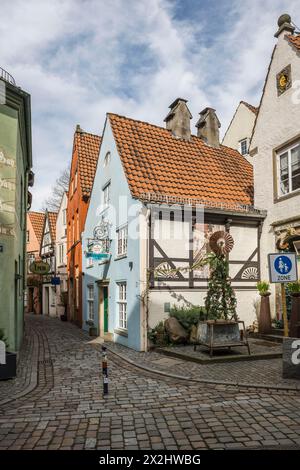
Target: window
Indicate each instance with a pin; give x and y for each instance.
(244, 147)
(90, 302)
(61, 254)
(289, 170)
(122, 241)
(122, 305)
(65, 217)
(106, 159)
(27, 236)
(106, 195)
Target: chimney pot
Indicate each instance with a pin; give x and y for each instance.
(178, 119)
(208, 127)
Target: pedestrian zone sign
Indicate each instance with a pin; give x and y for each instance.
(283, 267)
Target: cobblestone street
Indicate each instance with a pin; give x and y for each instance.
(57, 403)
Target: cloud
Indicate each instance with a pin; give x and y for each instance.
(82, 58)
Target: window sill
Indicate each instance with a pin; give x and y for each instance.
(121, 332)
(120, 257)
(287, 196)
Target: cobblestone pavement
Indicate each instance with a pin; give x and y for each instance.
(61, 405)
(258, 373)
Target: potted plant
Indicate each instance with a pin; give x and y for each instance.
(9, 369)
(264, 320)
(294, 290)
(92, 328)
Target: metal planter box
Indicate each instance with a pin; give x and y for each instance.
(221, 334)
(9, 370)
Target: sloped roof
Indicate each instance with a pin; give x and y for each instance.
(252, 108)
(88, 146)
(37, 220)
(156, 162)
(52, 216)
(294, 40)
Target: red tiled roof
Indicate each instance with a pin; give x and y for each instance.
(88, 146)
(52, 216)
(37, 221)
(294, 40)
(156, 162)
(252, 108)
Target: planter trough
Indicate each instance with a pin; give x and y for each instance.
(220, 334)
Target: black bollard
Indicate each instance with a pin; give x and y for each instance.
(104, 371)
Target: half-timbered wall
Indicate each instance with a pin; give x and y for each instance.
(181, 241)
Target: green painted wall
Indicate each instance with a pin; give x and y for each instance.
(13, 201)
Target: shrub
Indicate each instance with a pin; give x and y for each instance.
(294, 287)
(158, 335)
(263, 287)
(188, 316)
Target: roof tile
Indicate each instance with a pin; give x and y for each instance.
(156, 162)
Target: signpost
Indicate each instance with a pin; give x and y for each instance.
(39, 267)
(283, 268)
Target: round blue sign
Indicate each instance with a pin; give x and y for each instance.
(283, 264)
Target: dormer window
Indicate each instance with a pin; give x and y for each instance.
(243, 147)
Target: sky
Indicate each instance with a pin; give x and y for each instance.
(80, 59)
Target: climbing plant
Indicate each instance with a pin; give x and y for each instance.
(220, 302)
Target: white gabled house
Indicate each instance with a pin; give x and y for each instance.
(61, 254)
(158, 194)
(275, 148)
(47, 254)
(240, 129)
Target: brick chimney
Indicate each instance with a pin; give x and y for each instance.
(178, 119)
(208, 127)
(284, 25)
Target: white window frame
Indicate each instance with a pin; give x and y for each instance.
(106, 194)
(122, 240)
(90, 297)
(241, 148)
(280, 154)
(64, 216)
(122, 305)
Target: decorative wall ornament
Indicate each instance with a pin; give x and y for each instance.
(284, 80)
(101, 231)
(250, 273)
(221, 243)
(165, 270)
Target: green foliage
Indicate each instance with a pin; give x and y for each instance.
(294, 287)
(220, 302)
(158, 335)
(263, 287)
(3, 338)
(188, 316)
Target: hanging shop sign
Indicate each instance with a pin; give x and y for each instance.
(282, 267)
(39, 267)
(55, 281)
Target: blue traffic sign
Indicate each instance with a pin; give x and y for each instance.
(283, 267)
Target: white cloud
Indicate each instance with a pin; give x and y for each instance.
(82, 58)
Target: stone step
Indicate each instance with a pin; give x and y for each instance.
(275, 338)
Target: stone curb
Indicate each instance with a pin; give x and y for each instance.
(295, 388)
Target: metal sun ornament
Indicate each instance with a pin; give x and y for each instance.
(221, 243)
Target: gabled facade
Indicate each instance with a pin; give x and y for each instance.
(275, 147)
(34, 233)
(61, 255)
(83, 166)
(240, 129)
(15, 165)
(150, 184)
(47, 254)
